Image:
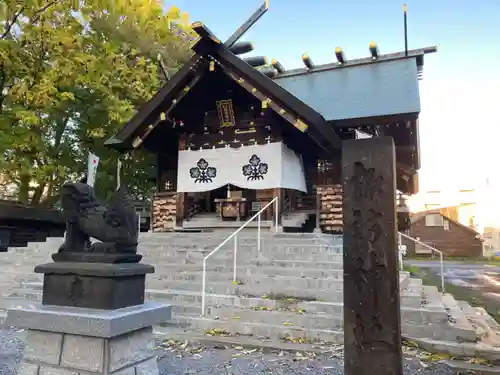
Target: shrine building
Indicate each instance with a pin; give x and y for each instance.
(231, 133)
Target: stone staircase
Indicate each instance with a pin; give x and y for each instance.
(290, 291)
(294, 220)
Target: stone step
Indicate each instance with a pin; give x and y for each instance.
(256, 284)
(271, 246)
(446, 332)
(300, 288)
(294, 317)
(460, 349)
(432, 298)
(175, 297)
(207, 238)
(262, 274)
(32, 292)
(199, 248)
(306, 315)
(221, 233)
(221, 283)
(189, 303)
(275, 287)
(259, 329)
(297, 287)
(408, 314)
(191, 265)
(280, 325)
(249, 250)
(411, 299)
(304, 264)
(290, 318)
(245, 234)
(14, 259)
(290, 315)
(157, 259)
(457, 317)
(487, 328)
(185, 271)
(311, 253)
(170, 270)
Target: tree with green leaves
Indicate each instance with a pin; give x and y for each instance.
(72, 72)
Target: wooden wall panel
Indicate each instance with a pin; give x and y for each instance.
(331, 208)
(164, 211)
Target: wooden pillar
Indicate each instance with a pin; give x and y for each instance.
(293, 199)
(372, 328)
(311, 171)
(159, 172)
(180, 209)
(280, 193)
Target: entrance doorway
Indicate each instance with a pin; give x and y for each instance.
(211, 203)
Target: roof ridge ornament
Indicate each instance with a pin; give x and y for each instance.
(247, 25)
(231, 41)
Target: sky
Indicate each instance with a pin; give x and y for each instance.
(460, 91)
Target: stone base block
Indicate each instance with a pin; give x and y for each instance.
(94, 285)
(73, 341)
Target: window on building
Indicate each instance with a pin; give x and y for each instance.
(434, 220)
(446, 225)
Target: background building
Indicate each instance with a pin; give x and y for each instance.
(461, 205)
(435, 228)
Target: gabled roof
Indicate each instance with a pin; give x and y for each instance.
(379, 89)
(361, 88)
(416, 55)
(422, 214)
(210, 50)
(123, 138)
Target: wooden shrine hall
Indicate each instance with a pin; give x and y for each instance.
(232, 133)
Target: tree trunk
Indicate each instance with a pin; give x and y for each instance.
(38, 193)
(24, 188)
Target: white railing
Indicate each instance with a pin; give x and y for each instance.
(235, 236)
(432, 249)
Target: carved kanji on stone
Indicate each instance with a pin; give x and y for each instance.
(371, 281)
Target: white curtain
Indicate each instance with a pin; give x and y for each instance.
(250, 167)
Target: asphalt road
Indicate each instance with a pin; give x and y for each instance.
(482, 277)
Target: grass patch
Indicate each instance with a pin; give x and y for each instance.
(413, 270)
(474, 297)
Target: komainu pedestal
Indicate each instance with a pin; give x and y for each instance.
(93, 318)
(73, 341)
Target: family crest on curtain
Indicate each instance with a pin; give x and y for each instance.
(251, 167)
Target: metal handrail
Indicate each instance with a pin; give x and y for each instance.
(432, 249)
(235, 236)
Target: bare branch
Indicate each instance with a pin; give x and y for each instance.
(35, 18)
(39, 12)
(9, 25)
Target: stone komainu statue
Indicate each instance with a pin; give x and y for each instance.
(114, 224)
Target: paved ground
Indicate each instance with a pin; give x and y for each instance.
(482, 277)
(182, 358)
